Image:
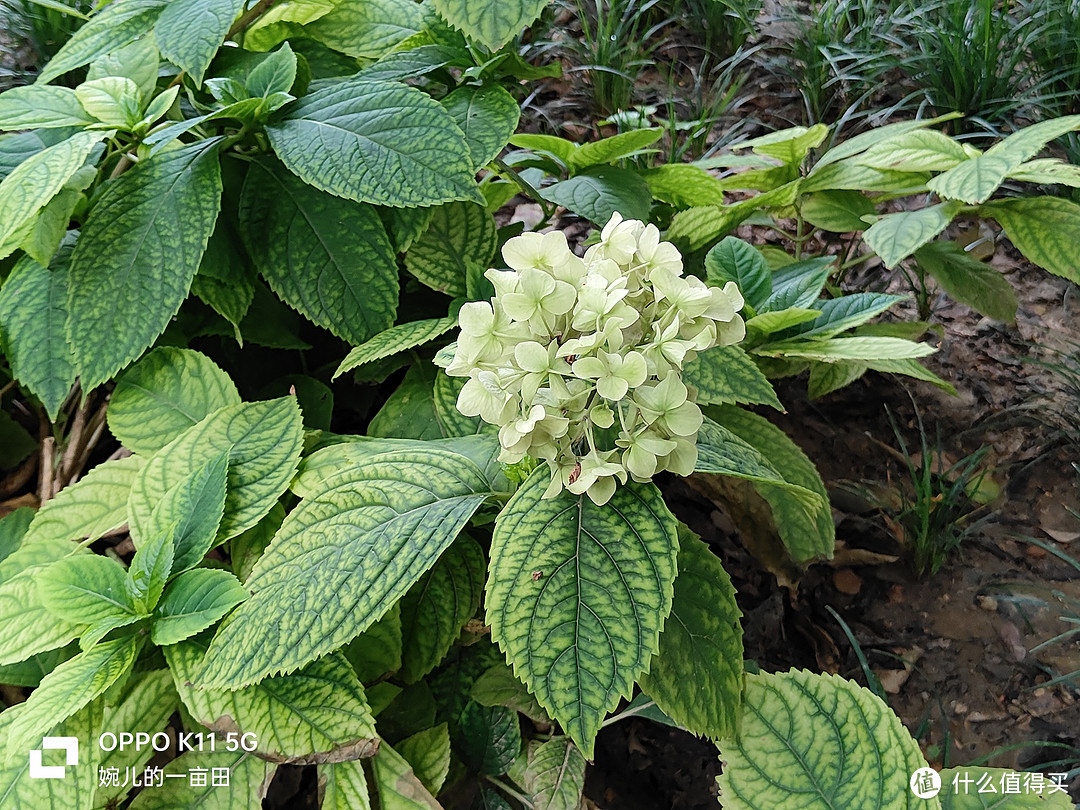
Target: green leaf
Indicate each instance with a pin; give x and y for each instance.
(39, 106)
(853, 176)
(343, 786)
(150, 568)
(799, 284)
(789, 146)
(389, 342)
(274, 74)
(911, 368)
(428, 752)
(828, 377)
(16, 443)
(1043, 229)
(732, 259)
(559, 147)
(94, 505)
(116, 25)
(969, 280)
(13, 527)
(189, 32)
(554, 776)
(406, 224)
(684, 185)
(845, 312)
(248, 779)
(164, 394)
(246, 548)
(69, 687)
(1027, 142)
(138, 61)
(326, 257)
(769, 322)
(347, 554)
(316, 715)
(829, 350)
(489, 738)
(894, 237)
(377, 651)
(367, 29)
(492, 23)
(488, 115)
(192, 602)
(49, 227)
(608, 150)
(189, 513)
(78, 788)
(223, 281)
(30, 627)
(838, 211)
(379, 142)
(451, 421)
(598, 192)
(919, 150)
(410, 411)
(113, 100)
(15, 147)
(696, 228)
(499, 687)
(141, 244)
(582, 631)
(33, 314)
(812, 742)
(974, 180)
(702, 636)
(37, 179)
(1049, 171)
(85, 589)
(862, 142)
(438, 605)
(397, 786)
(263, 440)
(457, 234)
(725, 374)
(806, 528)
(970, 788)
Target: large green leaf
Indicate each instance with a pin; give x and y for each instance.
(342, 558)
(116, 25)
(249, 777)
(327, 257)
(725, 374)
(367, 29)
(86, 589)
(36, 180)
(378, 142)
(831, 350)
(488, 115)
(847, 311)
(194, 601)
(806, 527)
(69, 687)
(488, 738)
(377, 651)
(410, 411)
(838, 211)
(703, 636)
(29, 627)
(968, 788)
(860, 143)
(607, 150)
(33, 318)
(189, 32)
(684, 185)
(164, 394)
(919, 150)
(438, 605)
(41, 107)
(141, 244)
(599, 192)
(457, 234)
(894, 237)
(969, 281)
(263, 440)
(94, 505)
(554, 774)
(577, 594)
(974, 180)
(492, 23)
(319, 714)
(733, 259)
(817, 742)
(1043, 229)
(428, 752)
(393, 340)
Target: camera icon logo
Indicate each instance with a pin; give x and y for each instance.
(70, 747)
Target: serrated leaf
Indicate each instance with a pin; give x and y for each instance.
(39, 106)
(1049, 171)
(974, 180)
(1027, 142)
(828, 377)
(316, 715)
(347, 554)
(150, 568)
(263, 440)
(769, 322)
(1043, 229)
(21, 792)
(85, 589)
(223, 281)
(554, 774)
(488, 115)
(409, 412)
(806, 532)
(726, 374)
(377, 651)
(33, 317)
(436, 608)
(598, 192)
(968, 788)
(919, 150)
(457, 234)
(968, 280)
(112, 100)
(141, 244)
(194, 601)
(585, 629)
(274, 74)
(894, 237)
(116, 25)
(559, 147)
(397, 786)
(249, 778)
(428, 752)
(863, 141)
(138, 61)
(608, 150)
(830, 350)
(851, 175)
(165, 393)
(37, 179)
(327, 257)
(343, 786)
(367, 29)
(846, 312)
(732, 259)
(391, 341)
(492, 23)
(29, 627)
(811, 742)
(13, 527)
(696, 228)
(684, 185)
(488, 738)
(703, 636)
(838, 211)
(69, 687)
(799, 284)
(499, 687)
(246, 548)
(789, 146)
(92, 506)
(912, 368)
(189, 32)
(380, 142)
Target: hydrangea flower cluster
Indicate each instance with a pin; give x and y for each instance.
(579, 360)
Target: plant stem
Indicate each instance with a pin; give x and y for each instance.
(509, 791)
(525, 186)
(249, 16)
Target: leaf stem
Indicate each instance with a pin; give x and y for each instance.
(509, 791)
(526, 187)
(249, 16)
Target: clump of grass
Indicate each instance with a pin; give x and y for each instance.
(724, 25)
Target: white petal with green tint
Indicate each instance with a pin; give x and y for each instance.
(577, 594)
